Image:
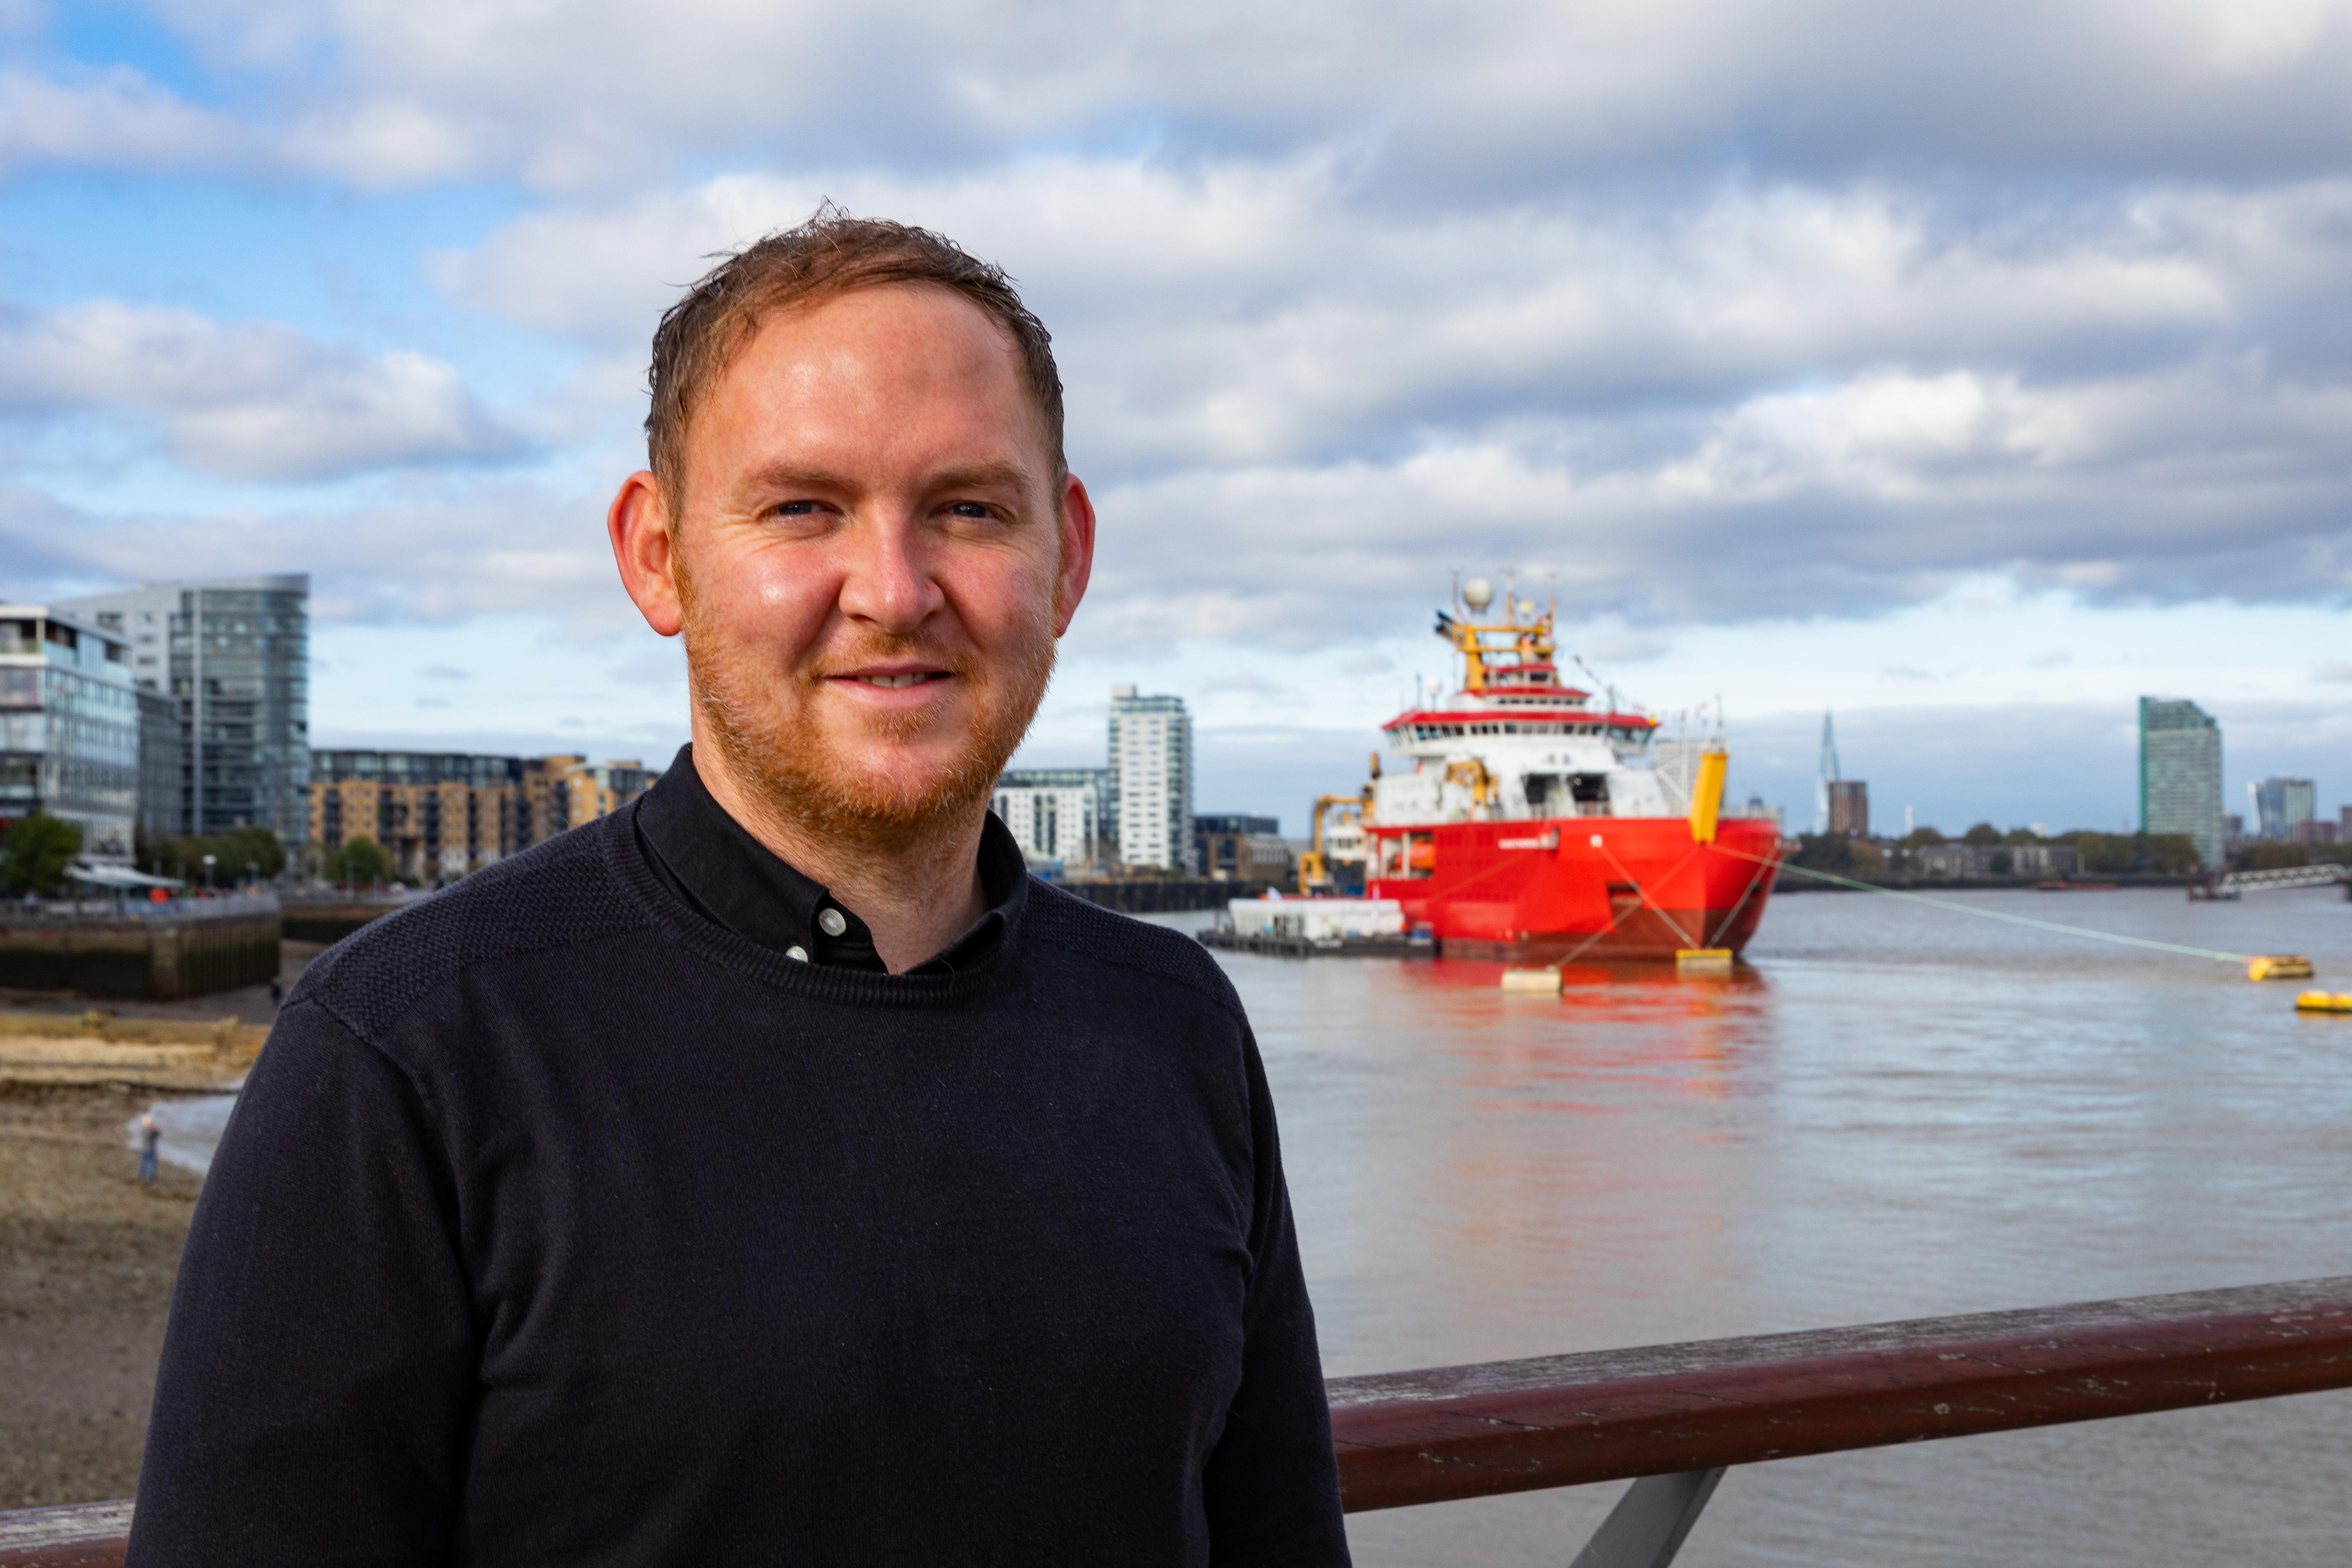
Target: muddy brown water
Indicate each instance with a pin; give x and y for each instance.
(1895, 1111)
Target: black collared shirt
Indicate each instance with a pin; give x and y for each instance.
(712, 862)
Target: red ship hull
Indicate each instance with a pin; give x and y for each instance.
(1563, 888)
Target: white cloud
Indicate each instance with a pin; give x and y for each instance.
(444, 551)
(114, 119)
(1385, 294)
(1464, 98)
(248, 400)
(1775, 400)
(1240, 311)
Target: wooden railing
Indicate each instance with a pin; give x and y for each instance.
(1678, 1414)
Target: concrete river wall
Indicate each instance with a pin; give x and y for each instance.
(189, 947)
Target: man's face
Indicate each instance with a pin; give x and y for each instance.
(870, 560)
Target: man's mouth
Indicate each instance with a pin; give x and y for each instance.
(896, 682)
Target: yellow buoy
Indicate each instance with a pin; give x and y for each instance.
(1704, 960)
(1545, 980)
(2279, 966)
(2324, 1002)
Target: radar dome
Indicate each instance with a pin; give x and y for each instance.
(1478, 593)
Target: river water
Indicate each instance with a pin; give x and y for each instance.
(1895, 1111)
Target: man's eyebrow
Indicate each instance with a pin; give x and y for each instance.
(979, 475)
(785, 477)
(983, 475)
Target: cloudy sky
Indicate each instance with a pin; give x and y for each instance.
(1966, 370)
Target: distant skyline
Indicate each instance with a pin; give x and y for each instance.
(1967, 370)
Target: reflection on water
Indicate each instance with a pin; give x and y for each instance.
(1894, 1111)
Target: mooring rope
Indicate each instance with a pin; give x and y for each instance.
(1999, 914)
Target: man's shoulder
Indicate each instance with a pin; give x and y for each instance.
(559, 894)
(1092, 933)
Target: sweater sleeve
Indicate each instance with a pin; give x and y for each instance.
(1272, 1486)
(320, 1363)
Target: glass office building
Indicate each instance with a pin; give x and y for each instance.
(2180, 775)
(69, 727)
(2282, 806)
(234, 654)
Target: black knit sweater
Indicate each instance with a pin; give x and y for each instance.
(561, 1224)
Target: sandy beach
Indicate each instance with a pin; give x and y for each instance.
(88, 1254)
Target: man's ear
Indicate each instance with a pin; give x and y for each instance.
(639, 526)
(1078, 567)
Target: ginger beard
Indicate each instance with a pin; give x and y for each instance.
(780, 750)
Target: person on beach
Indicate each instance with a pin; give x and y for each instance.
(150, 1135)
(772, 1170)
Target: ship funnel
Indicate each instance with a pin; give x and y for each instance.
(1477, 594)
(1707, 795)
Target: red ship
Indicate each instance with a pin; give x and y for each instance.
(1534, 827)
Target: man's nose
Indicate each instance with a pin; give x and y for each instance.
(887, 582)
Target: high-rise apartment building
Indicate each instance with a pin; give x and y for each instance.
(2180, 773)
(2282, 806)
(443, 814)
(69, 727)
(1850, 807)
(234, 654)
(1151, 780)
(1055, 814)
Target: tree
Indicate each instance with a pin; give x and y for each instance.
(1920, 837)
(2104, 852)
(2166, 853)
(40, 847)
(254, 847)
(2277, 857)
(1981, 834)
(2002, 864)
(232, 853)
(2172, 854)
(360, 860)
(1838, 854)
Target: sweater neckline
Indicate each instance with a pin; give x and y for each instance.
(848, 987)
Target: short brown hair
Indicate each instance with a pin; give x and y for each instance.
(829, 254)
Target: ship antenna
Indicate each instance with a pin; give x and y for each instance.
(1457, 587)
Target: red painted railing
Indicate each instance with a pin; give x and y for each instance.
(1685, 1410)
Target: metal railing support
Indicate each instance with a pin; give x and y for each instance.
(1651, 1521)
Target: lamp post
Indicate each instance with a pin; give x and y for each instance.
(209, 861)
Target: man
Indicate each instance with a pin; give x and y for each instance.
(151, 1138)
(770, 1171)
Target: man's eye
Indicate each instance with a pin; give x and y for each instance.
(794, 509)
(970, 508)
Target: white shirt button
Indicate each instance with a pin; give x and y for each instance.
(831, 922)
(799, 953)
